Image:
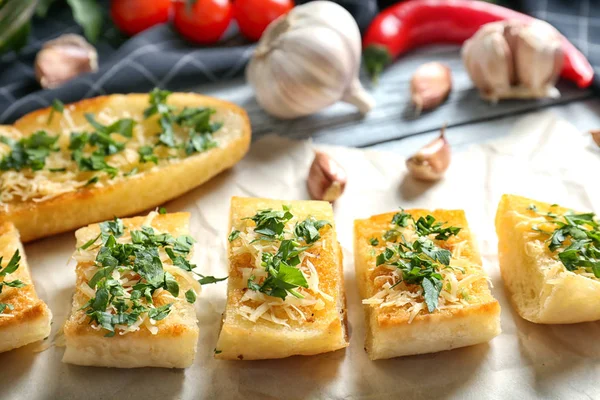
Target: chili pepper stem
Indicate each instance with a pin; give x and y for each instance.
(376, 58)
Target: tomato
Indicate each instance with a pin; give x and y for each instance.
(205, 21)
(253, 16)
(134, 16)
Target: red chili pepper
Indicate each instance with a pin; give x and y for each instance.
(412, 24)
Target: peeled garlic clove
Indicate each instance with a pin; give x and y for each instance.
(63, 59)
(514, 59)
(596, 136)
(430, 86)
(326, 178)
(430, 163)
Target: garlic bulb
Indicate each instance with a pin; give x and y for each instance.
(307, 60)
(514, 59)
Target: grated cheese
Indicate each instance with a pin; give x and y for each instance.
(256, 305)
(457, 282)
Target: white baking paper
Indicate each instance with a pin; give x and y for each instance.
(543, 158)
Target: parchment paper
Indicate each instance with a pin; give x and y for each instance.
(543, 157)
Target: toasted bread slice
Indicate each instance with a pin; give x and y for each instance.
(62, 196)
(261, 326)
(169, 342)
(397, 317)
(541, 289)
(26, 318)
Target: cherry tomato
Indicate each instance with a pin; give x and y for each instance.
(253, 16)
(205, 21)
(134, 16)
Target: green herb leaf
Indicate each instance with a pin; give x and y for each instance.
(190, 296)
(160, 313)
(308, 230)
(233, 235)
(271, 223)
(206, 280)
(374, 242)
(57, 106)
(147, 154)
(4, 306)
(162, 211)
(431, 292)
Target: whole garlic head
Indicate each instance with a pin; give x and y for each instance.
(514, 59)
(307, 60)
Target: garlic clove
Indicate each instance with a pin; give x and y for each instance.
(489, 61)
(430, 86)
(431, 162)
(63, 59)
(326, 178)
(596, 136)
(538, 55)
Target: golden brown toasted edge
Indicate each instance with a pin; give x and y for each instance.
(377, 224)
(95, 204)
(28, 307)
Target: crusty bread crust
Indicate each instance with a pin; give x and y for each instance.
(31, 316)
(173, 346)
(126, 196)
(540, 289)
(327, 331)
(389, 332)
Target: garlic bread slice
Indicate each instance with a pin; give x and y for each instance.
(422, 283)
(24, 318)
(285, 293)
(132, 302)
(65, 167)
(550, 260)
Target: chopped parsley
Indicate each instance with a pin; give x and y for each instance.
(194, 120)
(29, 152)
(283, 276)
(418, 262)
(308, 230)
(147, 155)
(11, 267)
(374, 242)
(576, 240)
(114, 304)
(233, 235)
(57, 106)
(162, 210)
(271, 223)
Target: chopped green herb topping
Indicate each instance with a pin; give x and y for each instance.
(147, 154)
(114, 304)
(162, 210)
(419, 261)
(30, 152)
(374, 241)
(57, 106)
(271, 223)
(196, 121)
(283, 276)
(576, 240)
(308, 230)
(233, 235)
(11, 267)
